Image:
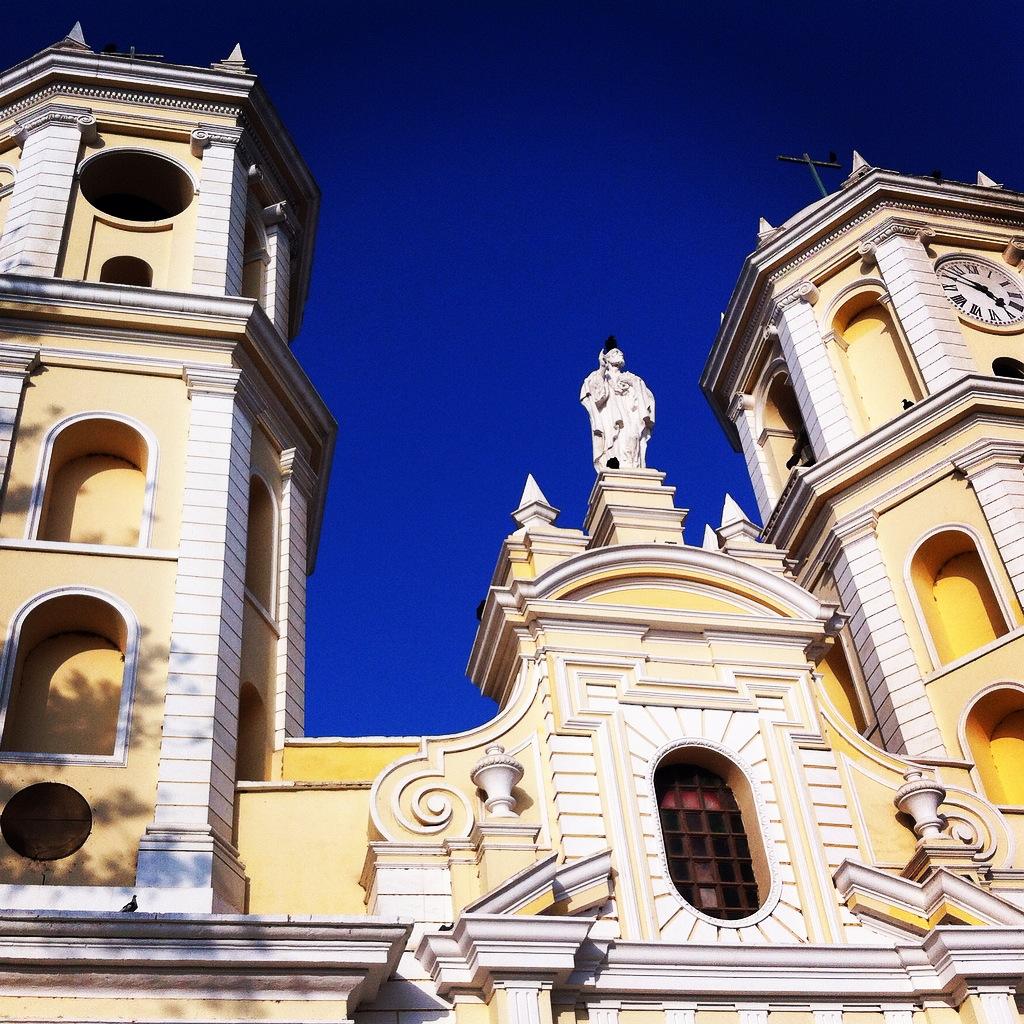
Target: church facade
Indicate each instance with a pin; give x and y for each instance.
(774, 779)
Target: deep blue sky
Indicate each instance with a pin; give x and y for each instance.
(504, 185)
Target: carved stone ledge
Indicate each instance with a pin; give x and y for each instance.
(57, 113)
(206, 135)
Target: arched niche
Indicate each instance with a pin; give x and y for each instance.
(837, 678)
(251, 758)
(783, 434)
(68, 673)
(254, 257)
(994, 733)
(959, 607)
(127, 270)
(715, 850)
(878, 366)
(95, 483)
(261, 544)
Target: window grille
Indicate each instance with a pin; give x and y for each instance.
(705, 842)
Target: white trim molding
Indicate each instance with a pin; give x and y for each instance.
(8, 662)
(35, 509)
(223, 958)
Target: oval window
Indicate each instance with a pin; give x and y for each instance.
(706, 844)
(46, 821)
(136, 186)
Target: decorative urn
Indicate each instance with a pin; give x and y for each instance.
(920, 798)
(496, 773)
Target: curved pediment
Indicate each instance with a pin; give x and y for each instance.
(675, 578)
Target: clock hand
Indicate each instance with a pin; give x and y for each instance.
(980, 288)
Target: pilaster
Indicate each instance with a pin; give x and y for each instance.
(220, 219)
(189, 842)
(992, 1005)
(523, 1001)
(297, 487)
(928, 321)
(15, 366)
(633, 506)
(743, 416)
(50, 138)
(828, 424)
(993, 470)
(905, 718)
(279, 252)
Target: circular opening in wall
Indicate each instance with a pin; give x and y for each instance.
(46, 821)
(1004, 366)
(136, 186)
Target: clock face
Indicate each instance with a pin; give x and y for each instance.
(982, 291)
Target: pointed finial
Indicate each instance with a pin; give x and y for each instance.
(235, 61)
(710, 542)
(532, 492)
(763, 226)
(859, 168)
(986, 182)
(534, 509)
(732, 513)
(75, 39)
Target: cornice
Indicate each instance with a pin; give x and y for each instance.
(218, 956)
(154, 82)
(947, 961)
(17, 360)
(986, 453)
(876, 450)
(530, 605)
(482, 950)
(101, 94)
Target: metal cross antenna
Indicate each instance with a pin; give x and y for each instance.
(814, 165)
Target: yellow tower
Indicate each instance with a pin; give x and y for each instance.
(163, 461)
(869, 369)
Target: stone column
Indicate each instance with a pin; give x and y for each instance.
(220, 219)
(928, 321)
(905, 718)
(15, 366)
(741, 412)
(828, 423)
(993, 469)
(279, 251)
(188, 844)
(50, 141)
(297, 491)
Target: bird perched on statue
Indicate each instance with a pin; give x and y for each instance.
(131, 906)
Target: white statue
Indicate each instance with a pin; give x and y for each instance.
(621, 410)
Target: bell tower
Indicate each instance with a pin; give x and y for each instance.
(163, 462)
(869, 367)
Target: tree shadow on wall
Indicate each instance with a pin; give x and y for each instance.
(121, 796)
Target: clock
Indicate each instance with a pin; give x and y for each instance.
(981, 290)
